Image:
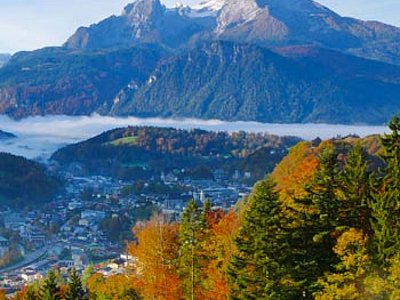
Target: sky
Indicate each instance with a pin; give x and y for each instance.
(33, 24)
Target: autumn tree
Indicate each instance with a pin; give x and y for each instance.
(349, 282)
(116, 287)
(220, 249)
(3, 295)
(87, 273)
(157, 250)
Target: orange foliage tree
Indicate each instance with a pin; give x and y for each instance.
(295, 171)
(157, 251)
(219, 250)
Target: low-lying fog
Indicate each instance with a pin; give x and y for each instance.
(39, 137)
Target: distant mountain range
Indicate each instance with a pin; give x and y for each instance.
(261, 22)
(265, 60)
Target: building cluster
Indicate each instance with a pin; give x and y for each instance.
(72, 231)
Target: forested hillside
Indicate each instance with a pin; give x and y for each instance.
(141, 152)
(24, 183)
(334, 235)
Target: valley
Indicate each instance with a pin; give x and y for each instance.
(241, 149)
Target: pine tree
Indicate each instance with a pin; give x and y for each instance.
(74, 288)
(50, 289)
(30, 293)
(192, 234)
(314, 227)
(257, 270)
(386, 202)
(354, 191)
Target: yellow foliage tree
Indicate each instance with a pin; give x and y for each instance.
(349, 282)
(117, 287)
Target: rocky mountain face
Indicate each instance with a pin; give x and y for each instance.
(61, 81)
(224, 80)
(263, 22)
(142, 22)
(259, 60)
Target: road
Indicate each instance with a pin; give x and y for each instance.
(29, 259)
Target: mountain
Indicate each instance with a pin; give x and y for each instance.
(262, 22)
(229, 81)
(73, 82)
(24, 183)
(255, 60)
(4, 58)
(299, 22)
(142, 22)
(6, 135)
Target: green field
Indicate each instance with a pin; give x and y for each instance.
(127, 141)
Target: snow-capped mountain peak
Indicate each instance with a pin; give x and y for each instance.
(206, 8)
(211, 5)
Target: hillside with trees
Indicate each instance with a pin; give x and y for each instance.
(334, 235)
(141, 152)
(25, 183)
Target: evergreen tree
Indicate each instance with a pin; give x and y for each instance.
(314, 227)
(30, 293)
(87, 273)
(386, 202)
(74, 288)
(192, 234)
(257, 271)
(354, 191)
(50, 289)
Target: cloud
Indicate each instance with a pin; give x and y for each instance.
(41, 136)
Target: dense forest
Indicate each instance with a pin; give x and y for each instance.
(324, 225)
(141, 152)
(24, 183)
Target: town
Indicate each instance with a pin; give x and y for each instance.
(88, 225)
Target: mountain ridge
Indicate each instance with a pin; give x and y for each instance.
(262, 22)
(255, 60)
(233, 82)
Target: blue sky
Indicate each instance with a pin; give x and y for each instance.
(32, 24)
